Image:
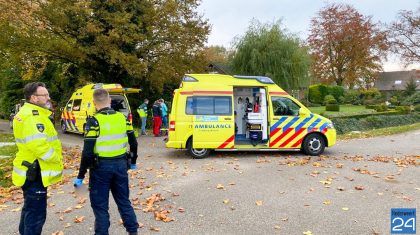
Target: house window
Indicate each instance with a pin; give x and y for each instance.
(398, 82)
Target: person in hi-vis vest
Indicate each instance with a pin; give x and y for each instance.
(39, 160)
(107, 136)
(142, 111)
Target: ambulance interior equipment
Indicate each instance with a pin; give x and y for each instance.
(250, 107)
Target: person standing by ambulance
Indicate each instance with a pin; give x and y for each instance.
(39, 160)
(107, 135)
(142, 110)
(157, 118)
(164, 114)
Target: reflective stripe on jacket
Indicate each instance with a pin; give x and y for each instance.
(36, 139)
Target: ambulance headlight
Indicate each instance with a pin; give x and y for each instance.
(330, 125)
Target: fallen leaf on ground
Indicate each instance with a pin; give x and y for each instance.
(284, 219)
(359, 187)
(79, 219)
(220, 186)
(340, 188)
(78, 206)
(307, 233)
(276, 227)
(68, 210)
(259, 203)
(226, 201)
(17, 209)
(58, 233)
(155, 229)
(182, 210)
(327, 202)
(67, 225)
(345, 208)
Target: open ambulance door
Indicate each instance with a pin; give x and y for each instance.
(213, 120)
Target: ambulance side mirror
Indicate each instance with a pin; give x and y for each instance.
(303, 112)
(61, 109)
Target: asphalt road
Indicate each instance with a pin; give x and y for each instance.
(256, 193)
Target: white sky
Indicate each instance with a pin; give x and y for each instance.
(231, 18)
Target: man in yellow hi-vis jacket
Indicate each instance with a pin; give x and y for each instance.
(38, 162)
(107, 136)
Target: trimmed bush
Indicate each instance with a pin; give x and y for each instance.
(403, 109)
(329, 99)
(332, 107)
(417, 108)
(363, 123)
(336, 91)
(351, 96)
(381, 108)
(317, 93)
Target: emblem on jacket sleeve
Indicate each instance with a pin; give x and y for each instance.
(40, 127)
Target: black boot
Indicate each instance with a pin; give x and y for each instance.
(133, 233)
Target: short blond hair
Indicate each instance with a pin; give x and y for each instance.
(100, 96)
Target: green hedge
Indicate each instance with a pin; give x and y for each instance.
(318, 92)
(332, 107)
(348, 124)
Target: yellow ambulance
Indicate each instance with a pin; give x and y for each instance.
(80, 106)
(231, 113)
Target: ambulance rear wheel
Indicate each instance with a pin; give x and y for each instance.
(63, 127)
(314, 144)
(196, 152)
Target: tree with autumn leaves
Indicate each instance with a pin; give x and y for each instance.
(142, 43)
(404, 36)
(346, 46)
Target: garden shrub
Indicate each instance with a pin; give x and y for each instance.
(317, 93)
(403, 109)
(413, 99)
(335, 91)
(417, 108)
(371, 94)
(394, 101)
(363, 123)
(332, 107)
(351, 96)
(381, 108)
(329, 99)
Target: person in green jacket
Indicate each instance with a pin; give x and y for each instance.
(142, 110)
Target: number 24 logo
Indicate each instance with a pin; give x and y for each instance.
(397, 228)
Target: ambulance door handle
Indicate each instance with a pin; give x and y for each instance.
(228, 119)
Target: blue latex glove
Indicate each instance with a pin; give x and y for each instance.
(133, 166)
(77, 182)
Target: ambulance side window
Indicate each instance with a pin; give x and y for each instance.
(209, 105)
(189, 106)
(76, 105)
(283, 106)
(69, 105)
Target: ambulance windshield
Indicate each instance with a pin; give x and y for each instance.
(119, 103)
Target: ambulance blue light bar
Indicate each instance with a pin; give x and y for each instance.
(262, 79)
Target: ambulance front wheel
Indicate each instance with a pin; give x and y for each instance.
(314, 144)
(195, 152)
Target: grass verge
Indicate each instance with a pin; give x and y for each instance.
(6, 166)
(7, 138)
(379, 132)
(8, 150)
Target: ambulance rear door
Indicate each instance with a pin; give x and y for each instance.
(213, 117)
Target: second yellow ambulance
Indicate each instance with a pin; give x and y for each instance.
(222, 112)
(80, 105)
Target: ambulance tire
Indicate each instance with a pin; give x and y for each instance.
(197, 153)
(63, 127)
(314, 144)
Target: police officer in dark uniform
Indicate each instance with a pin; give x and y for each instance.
(107, 135)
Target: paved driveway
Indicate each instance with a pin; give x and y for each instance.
(349, 190)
